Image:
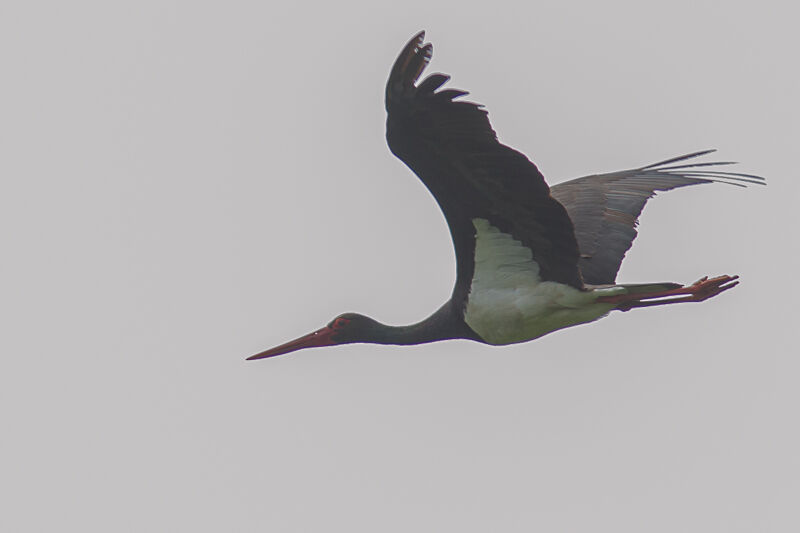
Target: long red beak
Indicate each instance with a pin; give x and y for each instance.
(321, 337)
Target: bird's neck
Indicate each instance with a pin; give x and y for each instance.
(446, 323)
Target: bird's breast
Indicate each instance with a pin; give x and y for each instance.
(508, 301)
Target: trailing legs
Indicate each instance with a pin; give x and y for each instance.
(700, 290)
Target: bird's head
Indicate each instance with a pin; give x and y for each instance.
(344, 329)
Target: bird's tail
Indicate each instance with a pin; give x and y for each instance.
(640, 288)
(635, 288)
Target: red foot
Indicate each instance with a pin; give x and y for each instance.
(700, 290)
(705, 288)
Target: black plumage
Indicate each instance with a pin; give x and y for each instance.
(577, 233)
(453, 149)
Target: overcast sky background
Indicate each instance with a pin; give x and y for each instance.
(188, 183)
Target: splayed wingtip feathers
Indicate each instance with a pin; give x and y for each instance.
(680, 158)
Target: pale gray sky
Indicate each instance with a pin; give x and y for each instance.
(188, 183)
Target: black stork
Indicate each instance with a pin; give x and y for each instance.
(530, 259)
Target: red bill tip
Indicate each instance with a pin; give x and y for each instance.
(321, 337)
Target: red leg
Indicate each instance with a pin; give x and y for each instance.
(700, 290)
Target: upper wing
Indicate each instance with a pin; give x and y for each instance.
(605, 208)
(451, 146)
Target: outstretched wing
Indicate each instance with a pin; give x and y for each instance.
(605, 208)
(451, 146)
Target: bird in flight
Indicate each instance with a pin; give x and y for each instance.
(531, 259)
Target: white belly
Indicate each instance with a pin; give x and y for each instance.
(508, 301)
